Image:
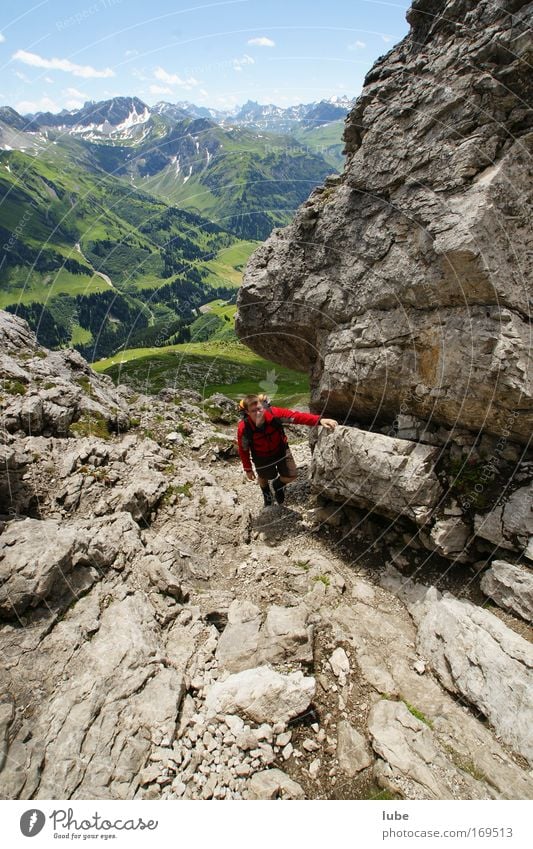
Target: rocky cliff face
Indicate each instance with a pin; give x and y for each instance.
(402, 285)
(164, 637)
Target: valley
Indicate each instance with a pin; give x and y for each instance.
(119, 222)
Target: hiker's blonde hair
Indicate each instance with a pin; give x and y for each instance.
(247, 400)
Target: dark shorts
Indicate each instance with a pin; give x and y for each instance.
(284, 466)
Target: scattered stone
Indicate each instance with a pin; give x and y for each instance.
(314, 767)
(274, 784)
(511, 587)
(340, 665)
(353, 753)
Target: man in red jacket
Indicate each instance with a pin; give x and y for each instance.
(261, 435)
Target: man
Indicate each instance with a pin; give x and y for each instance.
(261, 435)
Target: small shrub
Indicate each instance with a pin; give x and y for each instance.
(303, 564)
(91, 424)
(324, 579)
(85, 384)
(418, 714)
(178, 489)
(14, 387)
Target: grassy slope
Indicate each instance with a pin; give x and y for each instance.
(213, 366)
(252, 183)
(57, 200)
(325, 140)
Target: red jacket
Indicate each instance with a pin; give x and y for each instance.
(267, 441)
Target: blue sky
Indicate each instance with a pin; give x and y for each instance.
(57, 54)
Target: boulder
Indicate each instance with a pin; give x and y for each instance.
(38, 557)
(392, 476)
(262, 694)
(510, 586)
(247, 642)
(450, 536)
(412, 762)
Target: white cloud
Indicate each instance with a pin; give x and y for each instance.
(386, 38)
(48, 80)
(45, 104)
(174, 79)
(243, 60)
(22, 76)
(357, 45)
(74, 92)
(160, 89)
(2, 37)
(262, 41)
(86, 71)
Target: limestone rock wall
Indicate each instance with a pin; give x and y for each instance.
(403, 284)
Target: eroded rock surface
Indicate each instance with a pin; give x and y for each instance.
(394, 286)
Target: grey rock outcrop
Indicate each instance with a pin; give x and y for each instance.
(247, 641)
(40, 559)
(394, 476)
(353, 752)
(477, 656)
(510, 586)
(509, 525)
(394, 286)
(48, 391)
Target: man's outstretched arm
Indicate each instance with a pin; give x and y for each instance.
(297, 417)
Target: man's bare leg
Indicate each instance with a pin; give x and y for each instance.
(265, 489)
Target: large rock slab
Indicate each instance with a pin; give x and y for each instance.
(393, 476)
(394, 286)
(479, 658)
(510, 586)
(109, 703)
(353, 753)
(262, 694)
(412, 761)
(38, 557)
(247, 641)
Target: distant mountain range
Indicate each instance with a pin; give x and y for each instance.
(121, 219)
(122, 117)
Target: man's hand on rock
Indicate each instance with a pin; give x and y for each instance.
(250, 475)
(329, 424)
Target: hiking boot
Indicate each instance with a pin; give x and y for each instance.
(279, 490)
(267, 495)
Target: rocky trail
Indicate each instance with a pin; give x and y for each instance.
(165, 636)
